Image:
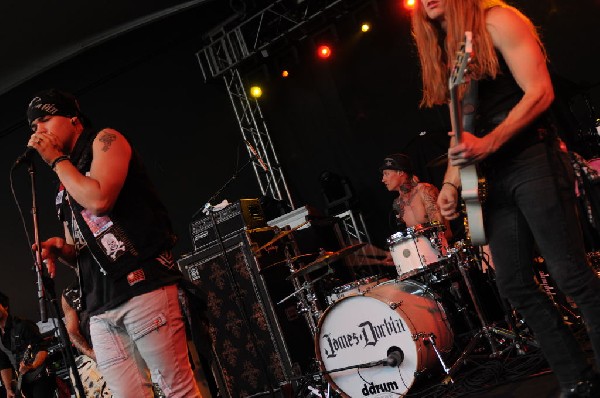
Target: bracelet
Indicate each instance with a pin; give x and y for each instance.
(449, 183)
(58, 160)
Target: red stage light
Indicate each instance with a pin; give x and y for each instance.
(324, 52)
(409, 4)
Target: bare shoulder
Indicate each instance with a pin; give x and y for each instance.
(506, 23)
(427, 189)
(108, 138)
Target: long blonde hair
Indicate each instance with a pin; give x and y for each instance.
(464, 15)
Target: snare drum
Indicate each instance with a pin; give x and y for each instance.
(352, 288)
(392, 316)
(417, 248)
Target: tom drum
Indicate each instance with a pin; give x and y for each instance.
(417, 249)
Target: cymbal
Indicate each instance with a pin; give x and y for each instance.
(292, 259)
(441, 160)
(326, 259)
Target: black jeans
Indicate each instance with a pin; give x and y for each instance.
(532, 199)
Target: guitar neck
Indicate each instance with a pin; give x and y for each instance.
(456, 114)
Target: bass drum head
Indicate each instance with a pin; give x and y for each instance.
(360, 329)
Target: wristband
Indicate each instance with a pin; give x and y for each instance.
(58, 160)
(451, 184)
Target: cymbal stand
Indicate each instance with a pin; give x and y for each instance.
(487, 330)
(307, 298)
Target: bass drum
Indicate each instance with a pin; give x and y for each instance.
(393, 316)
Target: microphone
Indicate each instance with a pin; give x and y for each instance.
(395, 357)
(26, 156)
(257, 156)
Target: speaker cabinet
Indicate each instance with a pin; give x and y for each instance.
(251, 335)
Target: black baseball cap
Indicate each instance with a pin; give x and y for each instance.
(397, 161)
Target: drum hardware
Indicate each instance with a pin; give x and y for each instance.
(287, 261)
(279, 236)
(307, 304)
(430, 339)
(359, 286)
(326, 258)
(487, 330)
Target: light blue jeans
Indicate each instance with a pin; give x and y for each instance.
(141, 339)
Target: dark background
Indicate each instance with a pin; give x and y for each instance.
(342, 115)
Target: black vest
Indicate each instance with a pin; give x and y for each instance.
(496, 98)
(135, 231)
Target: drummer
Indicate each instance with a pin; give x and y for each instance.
(416, 203)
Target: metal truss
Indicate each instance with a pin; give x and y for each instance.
(353, 227)
(256, 136)
(228, 49)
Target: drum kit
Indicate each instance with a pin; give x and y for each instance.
(377, 336)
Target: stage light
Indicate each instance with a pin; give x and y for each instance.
(285, 73)
(365, 27)
(255, 91)
(409, 4)
(324, 52)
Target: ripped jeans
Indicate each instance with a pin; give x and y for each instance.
(143, 338)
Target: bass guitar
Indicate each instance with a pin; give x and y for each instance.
(28, 376)
(472, 184)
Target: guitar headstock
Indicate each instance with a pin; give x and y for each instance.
(28, 355)
(457, 75)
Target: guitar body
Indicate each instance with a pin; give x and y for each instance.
(472, 184)
(30, 376)
(472, 192)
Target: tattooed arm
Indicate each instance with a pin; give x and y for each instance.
(99, 191)
(74, 330)
(429, 195)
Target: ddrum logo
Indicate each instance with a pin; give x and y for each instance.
(371, 389)
(368, 334)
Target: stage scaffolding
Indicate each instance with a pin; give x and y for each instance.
(229, 46)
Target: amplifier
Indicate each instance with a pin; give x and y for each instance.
(259, 346)
(243, 214)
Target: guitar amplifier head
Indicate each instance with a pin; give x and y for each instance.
(243, 214)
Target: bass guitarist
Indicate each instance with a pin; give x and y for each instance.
(530, 194)
(16, 336)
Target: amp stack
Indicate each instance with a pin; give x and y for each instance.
(258, 346)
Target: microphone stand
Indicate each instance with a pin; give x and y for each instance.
(39, 271)
(207, 207)
(46, 288)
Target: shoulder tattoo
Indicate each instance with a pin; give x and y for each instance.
(107, 138)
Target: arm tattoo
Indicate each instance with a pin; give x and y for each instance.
(107, 139)
(81, 344)
(74, 329)
(429, 194)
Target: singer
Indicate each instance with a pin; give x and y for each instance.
(119, 237)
